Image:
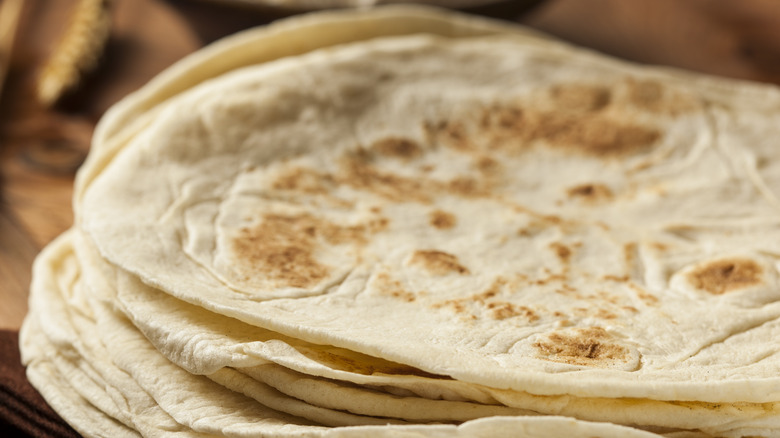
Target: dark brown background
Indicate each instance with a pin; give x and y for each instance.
(41, 148)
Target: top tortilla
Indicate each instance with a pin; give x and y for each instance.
(517, 215)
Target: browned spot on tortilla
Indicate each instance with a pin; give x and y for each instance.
(396, 147)
(652, 96)
(282, 248)
(457, 306)
(591, 346)
(442, 220)
(377, 225)
(390, 287)
(486, 303)
(727, 275)
(645, 94)
(486, 165)
(561, 251)
(619, 279)
(550, 278)
(590, 193)
(504, 310)
(513, 129)
(450, 133)
(492, 291)
(467, 187)
(645, 296)
(366, 365)
(438, 262)
(605, 314)
(580, 97)
(303, 179)
(660, 247)
(532, 229)
(359, 173)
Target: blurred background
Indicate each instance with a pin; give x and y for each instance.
(60, 74)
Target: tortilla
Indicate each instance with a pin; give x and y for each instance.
(290, 37)
(78, 377)
(377, 213)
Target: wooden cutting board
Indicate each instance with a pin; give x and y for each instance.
(41, 148)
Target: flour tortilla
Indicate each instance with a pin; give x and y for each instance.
(78, 379)
(290, 37)
(224, 342)
(593, 283)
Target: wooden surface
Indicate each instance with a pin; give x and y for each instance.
(41, 148)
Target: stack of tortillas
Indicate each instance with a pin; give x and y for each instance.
(409, 222)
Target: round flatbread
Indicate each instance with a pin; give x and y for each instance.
(517, 216)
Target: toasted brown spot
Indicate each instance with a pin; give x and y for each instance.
(486, 165)
(562, 251)
(591, 346)
(390, 287)
(492, 291)
(466, 187)
(646, 94)
(580, 97)
(449, 133)
(619, 279)
(361, 174)
(458, 306)
(442, 220)
(605, 314)
(590, 193)
(438, 262)
(282, 249)
(660, 247)
(514, 129)
(726, 275)
(645, 296)
(652, 96)
(303, 180)
(377, 225)
(394, 147)
(503, 310)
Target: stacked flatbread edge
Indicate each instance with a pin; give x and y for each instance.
(405, 221)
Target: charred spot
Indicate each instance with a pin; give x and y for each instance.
(724, 276)
(653, 97)
(282, 249)
(580, 97)
(361, 174)
(562, 251)
(513, 129)
(590, 193)
(437, 262)
(393, 288)
(449, 133)
(304, 180)
(442, 220)
(395, 147)
(591, 346)
(466, 187)
(486, 165)
(503, 310)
